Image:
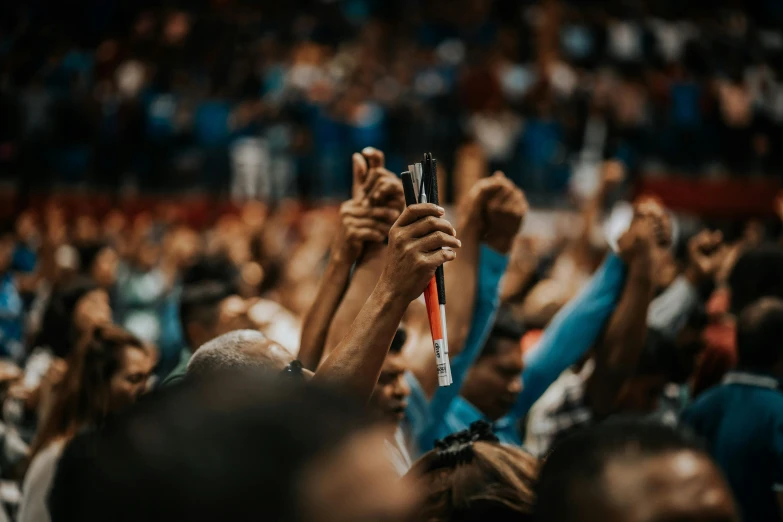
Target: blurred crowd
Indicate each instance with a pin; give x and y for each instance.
(273, 358)
(288, 351)
(191, 98)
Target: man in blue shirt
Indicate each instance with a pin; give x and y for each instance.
(742, 419)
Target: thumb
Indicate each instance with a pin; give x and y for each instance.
(359, 166)
(498, 174)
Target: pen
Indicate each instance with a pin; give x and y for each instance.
(440, 279)
(430, 294)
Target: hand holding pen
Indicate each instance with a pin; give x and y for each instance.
(419, 242)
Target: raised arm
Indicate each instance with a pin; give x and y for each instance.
(617, 355)
(359, 224)
(416, 249)
(373, 186)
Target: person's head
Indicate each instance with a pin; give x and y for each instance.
(659, 363)
(494, 381)
(106, 373)
(239, 350)
(209, 304)
(631, 471)
(390, 397)
(210, 309)
(471, 476)
(759, 332)
(757, 273)
(193, 451)
(73, 311)
(99, 261)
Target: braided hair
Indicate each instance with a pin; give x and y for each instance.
(470, 475)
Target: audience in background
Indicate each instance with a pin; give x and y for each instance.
(283, 338)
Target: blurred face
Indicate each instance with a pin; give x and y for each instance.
(357, 483)
(390, 397)
(495, 380)
(92, 310)
(681, 486)
(104, 271)
(130, 380)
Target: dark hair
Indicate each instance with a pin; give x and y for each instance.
(579, 460)
(471, 476)
(199, 303)
(216, 268)
(83, 399)
(759, 333)
(399, 340)
(88, 253)
(58, 330)
(505, 328)
(204, 285)
(758, 273)
(177, 454)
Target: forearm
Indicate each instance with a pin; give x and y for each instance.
(618, 354)
(319, 318)
(461, 277)
(365, 277)
(572, 332)
(627, 327)
(357, 360)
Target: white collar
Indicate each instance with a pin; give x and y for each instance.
(751, 379)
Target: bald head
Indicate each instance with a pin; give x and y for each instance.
(759, 331)
(239, 350)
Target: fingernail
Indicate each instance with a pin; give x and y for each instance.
(441, 209)
(459, 243)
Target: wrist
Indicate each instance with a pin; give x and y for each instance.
(499, 243)
(388, 296)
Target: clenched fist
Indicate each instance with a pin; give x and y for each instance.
(499, 207)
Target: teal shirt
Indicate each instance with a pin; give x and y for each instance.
(742, 422)
(178, 373)
(568, 337)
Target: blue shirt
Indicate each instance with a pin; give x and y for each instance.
(11, 319)
(567, 338)
(742, 423)
(425, 418)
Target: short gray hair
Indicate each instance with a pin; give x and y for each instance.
(237, 350)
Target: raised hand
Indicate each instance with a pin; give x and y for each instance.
(360, 224)
(416, 249)
(499, 206)
(706, 253)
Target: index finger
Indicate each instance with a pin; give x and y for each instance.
(416, 212)
(375, 157)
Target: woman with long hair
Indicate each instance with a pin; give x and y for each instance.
(107, 371)
(470, 476)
